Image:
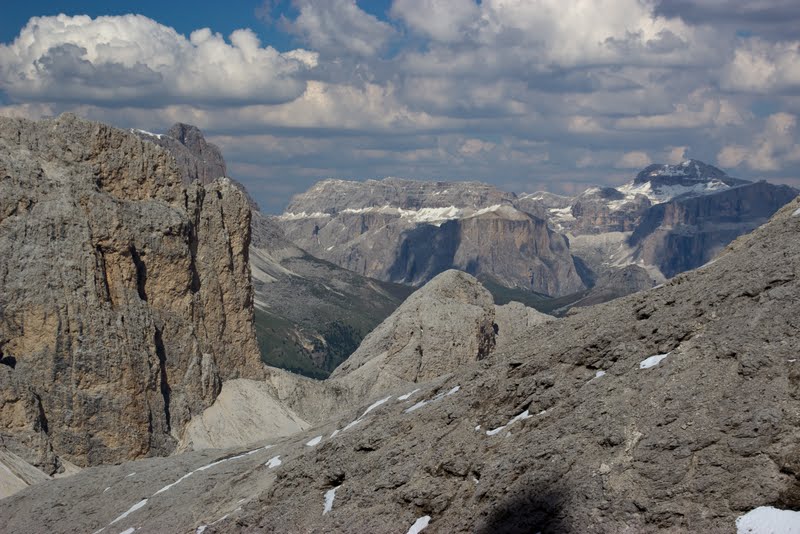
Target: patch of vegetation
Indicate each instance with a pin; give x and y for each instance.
(279, 348)
(543, 303)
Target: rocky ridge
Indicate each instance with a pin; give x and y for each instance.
(670, 410)
(310, 314)
(125, 298)
(409, 231)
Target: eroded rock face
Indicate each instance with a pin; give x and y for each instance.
(409, 231)
(602, 210)
(125, 297)
(687, 232)
(672, 410)
(444, 325)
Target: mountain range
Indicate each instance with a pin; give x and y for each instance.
(542, 248)
(135, 397)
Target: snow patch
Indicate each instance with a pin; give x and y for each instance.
(600, 373)
(520, 417)
(201, 529)
(452, 391)
(302, 215)
(212, 464)
(422, 403)
(329, 496)
(333, 435)
(351, 424)
(129, 475)
(768, 520)
(314, 442)
(145, 132)
(168, 486)
(419, 524)
(796, 213)
(652, 361)
(132, 509)
(407, 395)
(128, 531)
(417, 406)
(664, 193)
(273, 462)
(375, 405)
(495, 431)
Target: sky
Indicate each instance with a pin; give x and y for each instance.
(524, 94)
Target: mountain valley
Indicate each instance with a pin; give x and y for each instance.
(137, 317)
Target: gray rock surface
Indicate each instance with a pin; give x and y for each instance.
(687, 232)
(197, 159)
(601, 210)
(409, 231)
(310, 314)
(566, 430)
(125, 297)
(513, 319)
(16, 474)
(446, 324)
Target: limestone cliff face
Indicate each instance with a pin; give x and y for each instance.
(686, 233)
(197, 159)
(408, 232)
(601, 210)
(125, 297)
(446, 324)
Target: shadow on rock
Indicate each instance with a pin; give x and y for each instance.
(530, 511)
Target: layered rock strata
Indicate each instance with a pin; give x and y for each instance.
(125, 297)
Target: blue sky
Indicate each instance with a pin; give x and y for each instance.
(524, 94)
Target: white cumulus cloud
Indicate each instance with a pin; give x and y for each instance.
(442, 20)
(759, 66)
(340, 26)
(633, 160)
(775, 146)
(132, 58)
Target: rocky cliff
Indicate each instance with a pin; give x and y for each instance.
(669, 219)
(687, 232)
(448, 323)
(311, 314)
(670, 410)
(198, 160)
(125, 297)
(408, 232)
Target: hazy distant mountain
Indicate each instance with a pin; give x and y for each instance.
(409, 231)
(669, 219)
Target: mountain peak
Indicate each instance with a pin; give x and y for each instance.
(691, 170)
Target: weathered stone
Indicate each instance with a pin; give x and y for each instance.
(124, 296)
(408, 231)
(534, 438)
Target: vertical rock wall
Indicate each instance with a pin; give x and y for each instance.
(125, 296)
